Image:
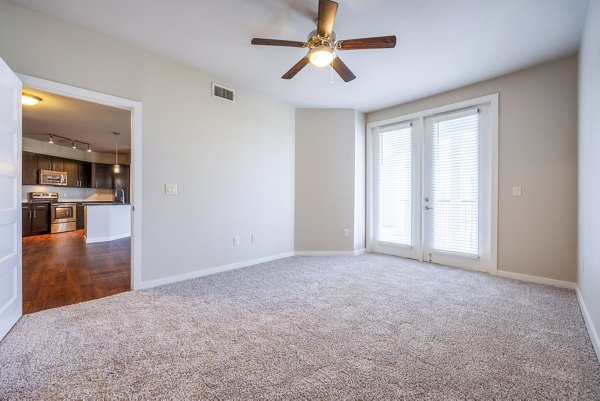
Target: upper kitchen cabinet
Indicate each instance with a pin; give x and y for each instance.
(30, 168)
(122, 177)
(102, 176)
(47, 162)
(79, 174)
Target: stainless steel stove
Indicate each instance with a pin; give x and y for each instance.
(63, 215)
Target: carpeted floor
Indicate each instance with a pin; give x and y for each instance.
(369, 327)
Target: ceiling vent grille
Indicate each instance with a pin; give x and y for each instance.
(223, 92)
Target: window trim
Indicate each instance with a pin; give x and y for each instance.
(493, 101)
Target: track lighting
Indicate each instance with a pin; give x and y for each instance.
(51, 140)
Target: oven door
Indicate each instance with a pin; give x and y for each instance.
(63, 213)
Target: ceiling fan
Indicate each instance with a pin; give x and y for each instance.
(323, 47)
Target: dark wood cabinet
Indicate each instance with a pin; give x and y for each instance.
(71, 167)
(80, 216)
(47, 162)
(44, 162)
(26, 213)
(121, 180)
(30, 168)
(85, 174)
(102, 176)
(36, 218)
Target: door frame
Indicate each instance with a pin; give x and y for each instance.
(136, 155)
(493, 101)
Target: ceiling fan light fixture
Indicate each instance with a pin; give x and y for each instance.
(321, 56)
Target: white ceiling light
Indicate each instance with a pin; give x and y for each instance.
(30, 100)
(321, 56)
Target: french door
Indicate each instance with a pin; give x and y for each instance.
(431, 188)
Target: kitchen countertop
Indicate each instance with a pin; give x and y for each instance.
(104, 203)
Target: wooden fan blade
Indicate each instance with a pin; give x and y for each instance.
(296, 69)
(342, 70)
(326, 18)
(277, 42)
(381, 42)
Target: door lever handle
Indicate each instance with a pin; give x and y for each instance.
(428, 208)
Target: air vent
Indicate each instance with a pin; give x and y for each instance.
(223, 92)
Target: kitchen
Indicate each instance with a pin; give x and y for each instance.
(76, 211)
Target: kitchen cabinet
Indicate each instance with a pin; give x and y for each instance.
(79, 174)
(30, 168)
(47, 162)
(102, 176)
(36, 218)
(80, 216)
(85, 174)
(121, 180)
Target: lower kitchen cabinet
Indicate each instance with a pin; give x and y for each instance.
(80, 216)
(36, 218)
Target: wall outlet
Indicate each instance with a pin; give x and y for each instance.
(236, 240)
(170, 189)
(253, 239)
(346, 232)
(516, 191)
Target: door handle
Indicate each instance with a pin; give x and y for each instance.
(34, 214)
(30, 215)
(428, 208)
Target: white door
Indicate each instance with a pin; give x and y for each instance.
(11, 296)
(431, 187)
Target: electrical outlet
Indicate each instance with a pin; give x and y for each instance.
(236, 240)
(346, 232)
(516, 191)
(171, 189)
(253, 239)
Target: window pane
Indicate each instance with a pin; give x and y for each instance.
(456, 184)
(394, 186)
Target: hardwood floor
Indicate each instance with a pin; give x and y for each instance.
(61, 269)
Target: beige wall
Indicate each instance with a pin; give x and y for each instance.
(234, 163)
(537, 233)
(329, 181)
(589, 169)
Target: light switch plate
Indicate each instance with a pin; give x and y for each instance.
(171, 189)
(516, 191)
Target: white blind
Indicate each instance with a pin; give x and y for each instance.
(393, 162)
(455, 174)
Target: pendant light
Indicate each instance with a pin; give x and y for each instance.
(117, 168)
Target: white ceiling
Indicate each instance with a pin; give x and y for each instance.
(77, 120)
(442, 44)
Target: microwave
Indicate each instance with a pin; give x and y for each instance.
(49, 177)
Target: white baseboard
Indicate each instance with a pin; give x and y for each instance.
(105, 239)
(330, 253)
(212, 270)
(538, 280)
(589, 324)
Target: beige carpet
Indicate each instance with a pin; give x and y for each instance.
(370, 327)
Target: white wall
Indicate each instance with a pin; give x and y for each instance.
(537, 233)
(234, 163)
(589, 168)
(327, 174)
(360, 185)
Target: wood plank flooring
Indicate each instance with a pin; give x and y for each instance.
(61, 269)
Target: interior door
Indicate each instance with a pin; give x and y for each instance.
(11, 296)
(456, 186)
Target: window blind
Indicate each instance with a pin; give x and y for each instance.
(393, 161)
(455, 182)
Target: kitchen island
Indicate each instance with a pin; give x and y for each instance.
(107, 221)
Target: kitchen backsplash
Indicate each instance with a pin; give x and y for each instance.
(72, 194)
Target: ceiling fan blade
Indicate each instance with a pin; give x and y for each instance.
(380, 42)
(296, 69)
(277, 42)
(342, 70)
(326, 18)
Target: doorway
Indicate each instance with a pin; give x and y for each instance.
(432, 185)
(87, 261)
